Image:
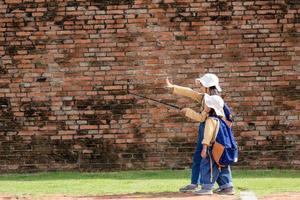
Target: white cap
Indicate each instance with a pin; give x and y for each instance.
(209, 80)
(216, 102)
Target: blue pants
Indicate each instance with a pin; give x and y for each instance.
(224, 179)
(210, 174)
(197, 160)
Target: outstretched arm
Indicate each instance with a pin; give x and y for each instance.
(199, 117)
(185, 91)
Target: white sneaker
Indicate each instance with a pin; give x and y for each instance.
(203, 192)
(188, 188)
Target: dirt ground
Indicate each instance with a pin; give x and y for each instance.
(161, 196)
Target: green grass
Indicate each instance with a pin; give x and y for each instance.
(262, 182)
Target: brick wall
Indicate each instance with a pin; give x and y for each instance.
(65, 66)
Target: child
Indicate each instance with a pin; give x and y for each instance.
(211, 85)
(209, 170)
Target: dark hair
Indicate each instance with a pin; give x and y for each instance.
(212, 112)
(213, 90)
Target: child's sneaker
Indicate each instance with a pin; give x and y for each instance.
(225, 191)
(188, 188)
(203, 192)
(217, 190)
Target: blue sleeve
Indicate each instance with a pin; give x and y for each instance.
(227, 113)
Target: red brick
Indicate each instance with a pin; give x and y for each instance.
(84, 99)
(69, 132)
(13, 1)
(26, 133)
(89, 127)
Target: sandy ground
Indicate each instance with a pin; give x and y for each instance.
(160, 196)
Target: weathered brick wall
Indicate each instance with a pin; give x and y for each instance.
(64, 67)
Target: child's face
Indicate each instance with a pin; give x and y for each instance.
(202, 89)
(206, 108)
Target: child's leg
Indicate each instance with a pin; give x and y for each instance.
(209, 174)
(225, 178)
(196, 165)
(225, 182)
(195, 179)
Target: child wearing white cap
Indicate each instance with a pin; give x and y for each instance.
(210, 80)
(211, 84)
(209, 169)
